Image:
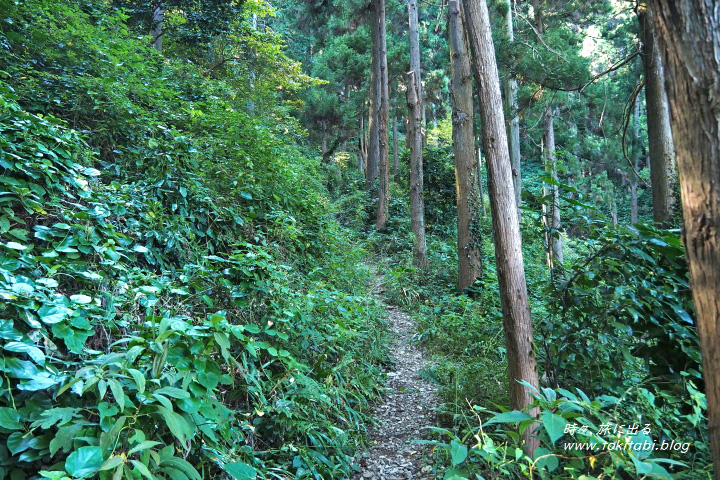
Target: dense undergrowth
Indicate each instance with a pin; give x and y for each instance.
(614, 338)
(177, 300)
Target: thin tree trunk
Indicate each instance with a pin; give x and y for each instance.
(396, 160)
(415, 138)
(481, 192)
(663, 174)
(552, 219)
(380, 98)
(363, 153)
(688, 32)
(636, 163)
(373, 160)
(469, 243)
(508, 245)
(511, 114)
(156, 31)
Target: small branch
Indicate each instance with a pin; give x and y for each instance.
(626, 123)
(614, 67)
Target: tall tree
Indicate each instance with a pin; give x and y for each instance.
(517, 322)
(511, 114)
(156, 29)
(660, 138)
(415, 138)
(469, 245)
(552, 194)
(378, 164)
(688, 32)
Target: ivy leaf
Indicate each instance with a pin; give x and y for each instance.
(84, 461)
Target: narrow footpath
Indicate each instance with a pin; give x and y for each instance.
(409, 406)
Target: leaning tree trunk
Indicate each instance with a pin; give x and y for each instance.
(469, 243)
(552, 219)
(688, 32)
(517, 322)
(415, 138)
(511, 115)
(380, 97)
(660, 138)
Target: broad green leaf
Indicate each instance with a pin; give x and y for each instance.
(455, 474)
(458, 453)
(53, 314)
(172, 392)
(509, 417)
(59, 416)
(176, 424)
(112, 462)
(240, 471)
(84, 461)
(8, 332)
(81, 299)
(18, 442)
(544, 458)
(554, 425)
(139, 379)
(182, 465)
(140, 467)
(32, 351)
(143, 446)
(10, 419)
(118, 393)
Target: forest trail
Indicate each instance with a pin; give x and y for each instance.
(408, 407)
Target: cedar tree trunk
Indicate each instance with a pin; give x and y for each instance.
(688, 33)
(517, 322)
(469, 244)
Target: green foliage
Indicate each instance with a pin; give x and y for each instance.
(178, 302)
(580, 439)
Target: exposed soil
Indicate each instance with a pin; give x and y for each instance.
(408, 407)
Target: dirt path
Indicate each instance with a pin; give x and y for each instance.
(408, 407)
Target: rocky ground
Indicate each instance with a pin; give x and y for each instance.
(409, 406)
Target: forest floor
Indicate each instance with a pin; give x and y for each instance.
(409, 406)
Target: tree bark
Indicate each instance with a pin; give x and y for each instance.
(635, 163)
(469, 244)
(396, 160)
(688, 32)
(552, 218)
(517, 322)
(415, 138)
(481, 192)
(156, 30)
(661, 147)
(511, 115)
(380, 112)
